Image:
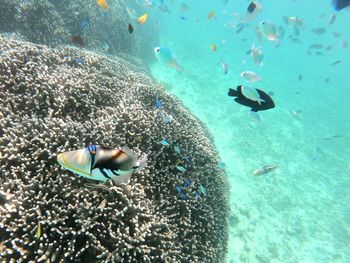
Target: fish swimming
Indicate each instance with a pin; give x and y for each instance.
(213, 47)
(103, 4)
(102, 163)
(142, 19)
(340, 4)
(268, 30)
(264, 170)
(77, 40)
(165, 55)
(252, 94)
(266, 101)
(250, 76)
(130, 28)
(257, 54)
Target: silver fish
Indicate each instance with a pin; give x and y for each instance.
(264, 170)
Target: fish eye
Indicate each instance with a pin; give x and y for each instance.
(158, 49)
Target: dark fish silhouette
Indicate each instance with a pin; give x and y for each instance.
(130, 28)
(251, 7)
(77, 40)
(340, 4)
(267, 102)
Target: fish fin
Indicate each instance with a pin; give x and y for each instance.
(233, 93)
(141, 163)
(175, 65)
(254, 110)
(129, 152)
(260, 101)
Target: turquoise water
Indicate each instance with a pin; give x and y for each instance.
(299, 212)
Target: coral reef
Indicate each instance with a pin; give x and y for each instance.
(53, 100)
(53, 22)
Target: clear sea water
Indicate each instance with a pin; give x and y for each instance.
(299, 212)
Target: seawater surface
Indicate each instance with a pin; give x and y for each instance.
(300, 211)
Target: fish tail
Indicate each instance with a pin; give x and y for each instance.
(233, 93)
(141, 163)
(129, 152)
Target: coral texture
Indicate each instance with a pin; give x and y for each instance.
(53, 22)
(52, 102)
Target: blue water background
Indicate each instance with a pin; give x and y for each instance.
(300, 212)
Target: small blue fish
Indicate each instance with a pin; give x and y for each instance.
(177, 149)
(222, 165)
(186, 159)
(196, 194)
(203, 190)
(181, 168)
(84, 24)
(182, 18)
(105, 46)
(164, 142)
(159, 104)
(79, 61)
(178, 189)
(183, 196)
(186, 183)
(166, 57)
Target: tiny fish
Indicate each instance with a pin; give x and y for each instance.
(224, 67)
(331, 19)
(343, 44)
(38, 232)
(264, 170)
(316, 46)
(79, 61)
(177, 149)
(296, 114)
(319, 31)
(300, 77)
(181, 168)
(182, 18)
(336, 34)
(326, 80)
(336, 62)
(250, 76)
(77, 40)
(257, 54)
(186, 159)
(164, 142)
(158, 104)
(268, 30)
(211, 14)
(84, 24)
(167, 118)
(213, 47)
(221, 165)
(103, 4)
(296, 40)
(183, 8)
(186, 183)
(130, 28)
(203, 190)
(142, 19)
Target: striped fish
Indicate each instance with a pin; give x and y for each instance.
(102, 163)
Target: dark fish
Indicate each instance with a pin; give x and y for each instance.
(336, 34)
(335, 62)
(319, 31)
(265, 104)
(77, 40)
(340, 4)
(316, 46)
(251, 7)
(331, 19)
(332, 137)
(130, 28)
(300, 77)
(327, 80)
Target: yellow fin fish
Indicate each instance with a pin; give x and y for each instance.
(103, 4)
(142, 19)
(38, 232)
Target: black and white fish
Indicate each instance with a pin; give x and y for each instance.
(102, 163)
(256, 99)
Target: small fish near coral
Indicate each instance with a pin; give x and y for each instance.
(102, 163)
(77, 40)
